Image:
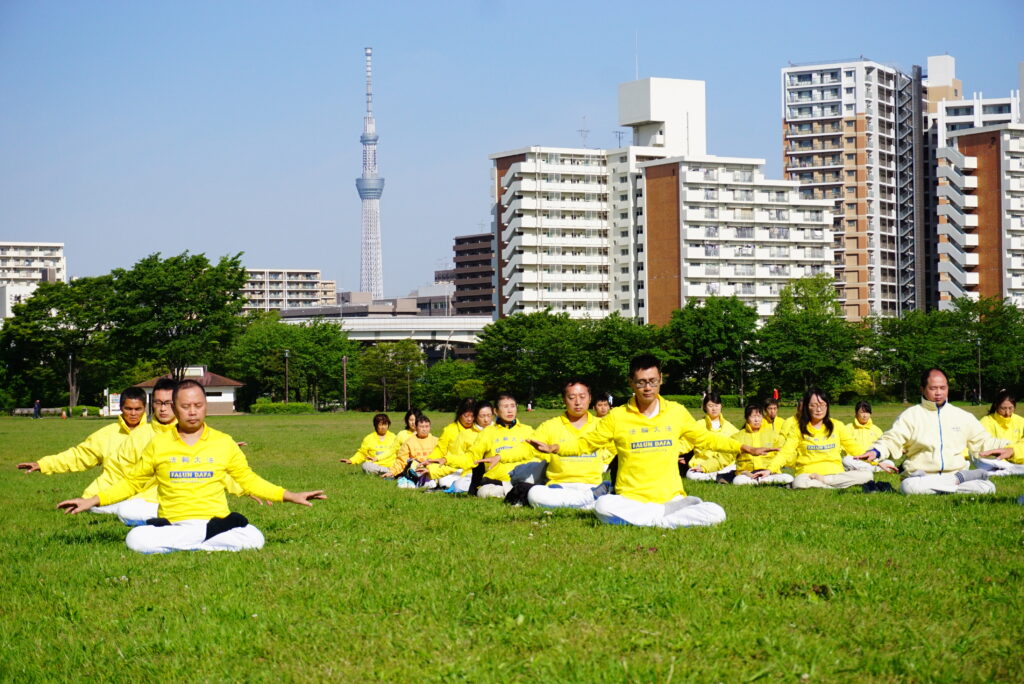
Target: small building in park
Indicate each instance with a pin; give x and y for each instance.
(220, 391)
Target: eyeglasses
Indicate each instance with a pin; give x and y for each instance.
(646, 383)
(163, 403)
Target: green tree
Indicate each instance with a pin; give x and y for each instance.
(807, 342)
(903, 347)
(708, 342)
(182, 310)
(610, 344)
(390, 370)
(62, 331)
(530, 354)
(438, 389)
(992, 344)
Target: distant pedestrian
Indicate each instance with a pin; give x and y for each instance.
(37, 409)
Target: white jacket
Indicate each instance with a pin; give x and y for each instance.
(935, 438)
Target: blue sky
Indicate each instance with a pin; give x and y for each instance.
(128, 128)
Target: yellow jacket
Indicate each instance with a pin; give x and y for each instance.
(190, 478)
(404, 435)
(457, 456)
(863, 435)
(508, 444)
(746, 463)
(126, 458)
(710, 460)
(789, 425)
(94, 450)
(648, 448)
(379, 449)
(935, 438)
(583, 468)
(817, 452)
(773, 431)
(1011, 429)
(414, 448)
(448, 436)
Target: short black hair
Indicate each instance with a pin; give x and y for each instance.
(504, 395)
(136, 393)
(467, 405)
(862, 406)
(381, 418)
(751, 408)
(480, 406)
(165, 384)
(771, 401)
(1001, 396)
(184, 385)
(575, 381)
(928, 373)
(710, 398)
(422, 418)
(643, 362)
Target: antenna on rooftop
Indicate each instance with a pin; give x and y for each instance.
(619, 135)
(584, 131)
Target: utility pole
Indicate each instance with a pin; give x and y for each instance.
(286, 376)
(344, 383)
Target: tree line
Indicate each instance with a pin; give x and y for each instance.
(70, 341)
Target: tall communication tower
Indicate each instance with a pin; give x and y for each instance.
(371, 187)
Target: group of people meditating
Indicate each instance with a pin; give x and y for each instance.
(168, 478)
(628, 464)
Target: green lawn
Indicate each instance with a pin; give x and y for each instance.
(396, 585)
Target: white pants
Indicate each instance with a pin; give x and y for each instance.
(564, 495)
(456, 482)
(132, 512)
(493, 491)
(704, 477)
(371, 468)
(688, 511)
(997, 467)
(187, 535)
(772, 479)
(851, 463)
(851, 478)
(944, 484)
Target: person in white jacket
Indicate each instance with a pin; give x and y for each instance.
(936, 436)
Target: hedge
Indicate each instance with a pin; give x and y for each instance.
(694, 400)
(282, 408)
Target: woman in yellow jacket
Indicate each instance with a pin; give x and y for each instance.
(1003, 423)
(454, 470)
(814, 450)
(753, 435)
(864, 432)
(706, 464)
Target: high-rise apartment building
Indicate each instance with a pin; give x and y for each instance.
(980, 213)
(568, 222)
(271, 288)
(716, 227)
(853, 134)
(23, 265)
(473, 275)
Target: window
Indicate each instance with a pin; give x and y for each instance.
(710, 194)
(711, 250)
(778, 252)
(743, 176)
(711, 269)
(744, 195)
(710, 231)
(744, 250)
(778, 233)
(745, 232)
(710, 212)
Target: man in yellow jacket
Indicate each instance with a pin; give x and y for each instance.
(572, 481)
(935, 435)
(190, 464)
(646, 433)
(100, 448)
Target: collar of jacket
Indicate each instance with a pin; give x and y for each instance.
(931, 405)
(863, 426)
(1002, 421)
(505, 424)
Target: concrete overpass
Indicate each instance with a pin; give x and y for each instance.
(427, 330)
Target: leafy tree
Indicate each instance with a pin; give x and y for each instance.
(61, 331)
(473, 389)
(991, 353)
(182, 310)
(806, 341)
(391, 369)
(530, 354)
(439, 387)
(905, 346)
(708, 340)
(611, 343)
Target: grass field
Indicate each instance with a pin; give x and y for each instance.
(379, 583)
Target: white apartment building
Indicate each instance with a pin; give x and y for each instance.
(949, 111)
(569, 221)
(980, 194)
(715, 226)
(271, 288)
(853, 135)
(23, 265)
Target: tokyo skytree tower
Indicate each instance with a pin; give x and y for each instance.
(371, 187)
